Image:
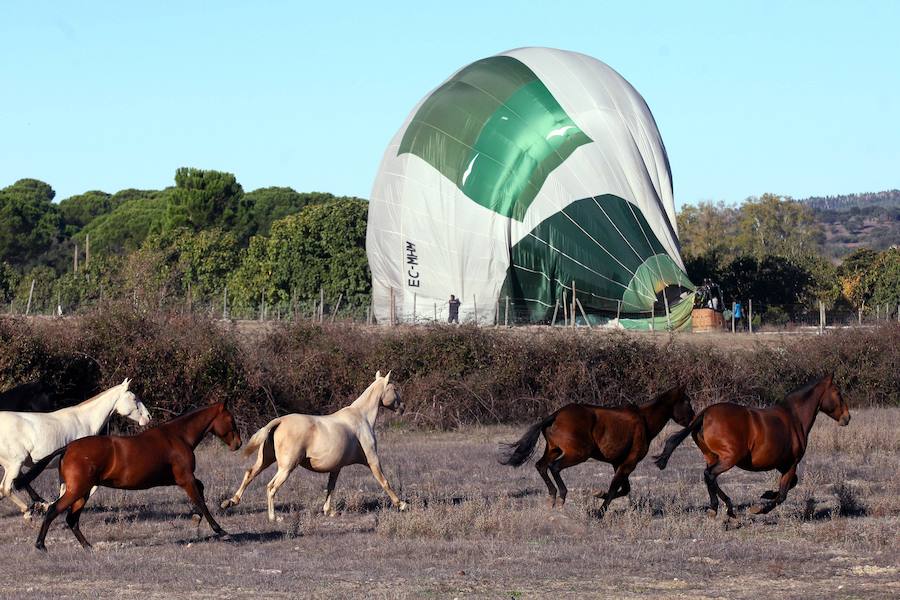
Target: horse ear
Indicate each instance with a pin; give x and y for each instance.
(387, 378)
(378, 374)
(126, 382)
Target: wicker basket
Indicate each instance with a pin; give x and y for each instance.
(706, 319)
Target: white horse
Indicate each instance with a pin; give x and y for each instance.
(323, 444)
(26, 438)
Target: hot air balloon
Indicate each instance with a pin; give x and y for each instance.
(523, 177)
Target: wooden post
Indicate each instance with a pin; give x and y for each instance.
(584, 314)
(30, 294)
(653, 317)
(58, 303)
(321, 305)
(435, 312)
(573, 304)
(821, 317)
(565, 308)
(668, 317)
(750, 314)
(506, 314)
(475, 307)
(391, 308)
(859, 316)
(190, 299)
(75, 260)
(555, 311)
(337, 307)
(368, 315)
(225, 303)
(618, 309)
(414, 308)
(87, 251)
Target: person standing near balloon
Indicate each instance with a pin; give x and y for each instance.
(453, 303)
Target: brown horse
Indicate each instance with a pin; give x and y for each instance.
(759, 439)
(162, 455)
(619, 436)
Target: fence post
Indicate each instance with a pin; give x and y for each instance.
(573, 304)
(506, 314)
(565, 308)
(750, 314)
(391, 309)
(58, 303)
(584, 314)
(821, 317)
(225, 304)
(338, 306)
(414, 308)
(668, 317)
(652, 316)
(733, 306)
(75, 260)
(555, 310)
(618, 309)
(475, 306)
(30, 293)
(859, 316)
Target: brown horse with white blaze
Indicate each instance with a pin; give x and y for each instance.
(759, 439)
(159, 456)
(620, 436)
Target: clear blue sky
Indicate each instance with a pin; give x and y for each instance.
(795, 98)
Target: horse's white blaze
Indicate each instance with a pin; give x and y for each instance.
(26, 438)
(323, 444)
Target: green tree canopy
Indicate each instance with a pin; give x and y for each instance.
(772, 225)
(78, 211)
(260, 208)
(138, 213)
(29, 221)
(204, 199)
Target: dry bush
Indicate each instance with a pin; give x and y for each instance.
(450, 376)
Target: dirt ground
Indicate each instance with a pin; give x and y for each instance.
(479, 529)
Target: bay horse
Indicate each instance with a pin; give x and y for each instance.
(323, 444)
(26, 438)
(159, 456)
(759, 439)
(620, 436)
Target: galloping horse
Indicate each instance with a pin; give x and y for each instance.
(323, 444)
(26, 438)
(162, 455)
(759, 439)
(619, 436)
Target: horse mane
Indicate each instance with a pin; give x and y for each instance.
(801, 391)
(191, 413)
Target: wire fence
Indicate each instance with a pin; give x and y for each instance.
(738, 316)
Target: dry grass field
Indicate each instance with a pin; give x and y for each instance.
(479, 529)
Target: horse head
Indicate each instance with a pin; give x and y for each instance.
(224, 427)
(390, 394)
(833, 403)
(130, 407)
(682, 411)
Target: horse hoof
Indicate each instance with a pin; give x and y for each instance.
(41, 548)
(600, 495)
(712, 513)
(551, 502)
(403, 506)
(197, 519)
(224, 537)
(226, 504)
(758, 509)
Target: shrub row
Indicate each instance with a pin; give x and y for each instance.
(449, 376)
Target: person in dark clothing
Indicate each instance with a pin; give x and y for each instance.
(453, 303)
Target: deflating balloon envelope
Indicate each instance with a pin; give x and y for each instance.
(519, 175)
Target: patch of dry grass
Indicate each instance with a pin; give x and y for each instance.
(477, 528)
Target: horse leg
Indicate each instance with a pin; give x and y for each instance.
(555, 468)
(272, 487)
(73, 518)
(57, 508)
(10, 472)
(710, 474)
(194, 489)
(618, 483)
(772, 494)
(541, 467)
(332, 481)
(787, 482)
(35, 497)
(375, 466)
(264, 458)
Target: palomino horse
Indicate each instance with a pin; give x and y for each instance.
(26, 438)
(162, 455)
(619, 436)
(323, 444)
(759, 439)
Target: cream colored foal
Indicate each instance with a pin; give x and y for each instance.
(323, 444)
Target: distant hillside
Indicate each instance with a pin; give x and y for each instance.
(854, 220)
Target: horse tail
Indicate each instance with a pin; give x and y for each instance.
(517, 454)
(260, 437)
(26, 478)
(674, 440)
